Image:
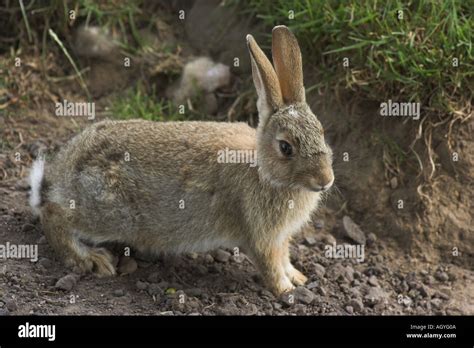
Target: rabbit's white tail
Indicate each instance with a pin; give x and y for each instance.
(36, 180)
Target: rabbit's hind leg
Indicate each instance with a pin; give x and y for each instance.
(65, 242)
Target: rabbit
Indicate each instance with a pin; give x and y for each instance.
(159, 188)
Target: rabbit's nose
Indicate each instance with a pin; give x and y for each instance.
(318, 186)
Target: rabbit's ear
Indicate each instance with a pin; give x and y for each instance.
(265, 80)
(288, 64)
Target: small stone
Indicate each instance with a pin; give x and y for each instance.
(373, 281)
(425, 291)
(352, 230)
(10, 304)
(4, 312)
(288, 299)
(312, 285)
(153, 277)
(441, 276)
(67, 282)
(443, 294)
(304, 295)
(356, 304)
(141, 285)
(310, 240)
(118, 293)
(277, 306)
(321, 291)
(27, 228)
(319, 270)
(194, 292)
(154, 290)
(193, 256)
(394, 183)
(429, 280)
(238, 258)
(208, 258)
(371, 239)
(22, 185)
(349, 309)
(375, 296)
(201, 270)
(45, 262)
(436, 302)
(127, 265)
(222, 255)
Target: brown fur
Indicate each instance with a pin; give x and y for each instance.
(95, 195)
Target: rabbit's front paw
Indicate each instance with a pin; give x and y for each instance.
(296, 276)
(283, 285)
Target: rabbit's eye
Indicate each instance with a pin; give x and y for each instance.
(285, 148)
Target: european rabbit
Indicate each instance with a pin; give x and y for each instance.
(158, 186)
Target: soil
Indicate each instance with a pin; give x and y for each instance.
(410, 266)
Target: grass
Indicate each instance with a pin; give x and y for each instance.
(138, 104)
(408, 59)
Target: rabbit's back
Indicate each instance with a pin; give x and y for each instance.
(135, 179)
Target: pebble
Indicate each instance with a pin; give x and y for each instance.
(118, 293)
(310, 240)
(352, 230)
(154, 289)
(193, 255)
(429, 280)
(425, 291)
(394, 183)
(45, 262)
(194, 292)
(373, 281)
(67, 282)
(321, 290)
(371, 239)
(288, 299)
(127, 265)
(356, 304)
(312, 285)
(27, 228)
(222, 255)
(201, 270)
(141, 285)
(319, 270)
(11, 305)
(375, 296)
(304, 295)
(208, 258)
(4, 312)
(441, 276)
(349, 309)
(153, 277)
(436, 302)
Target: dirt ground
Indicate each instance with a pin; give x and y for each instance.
(409, 267)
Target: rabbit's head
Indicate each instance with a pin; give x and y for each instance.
(292, 151)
